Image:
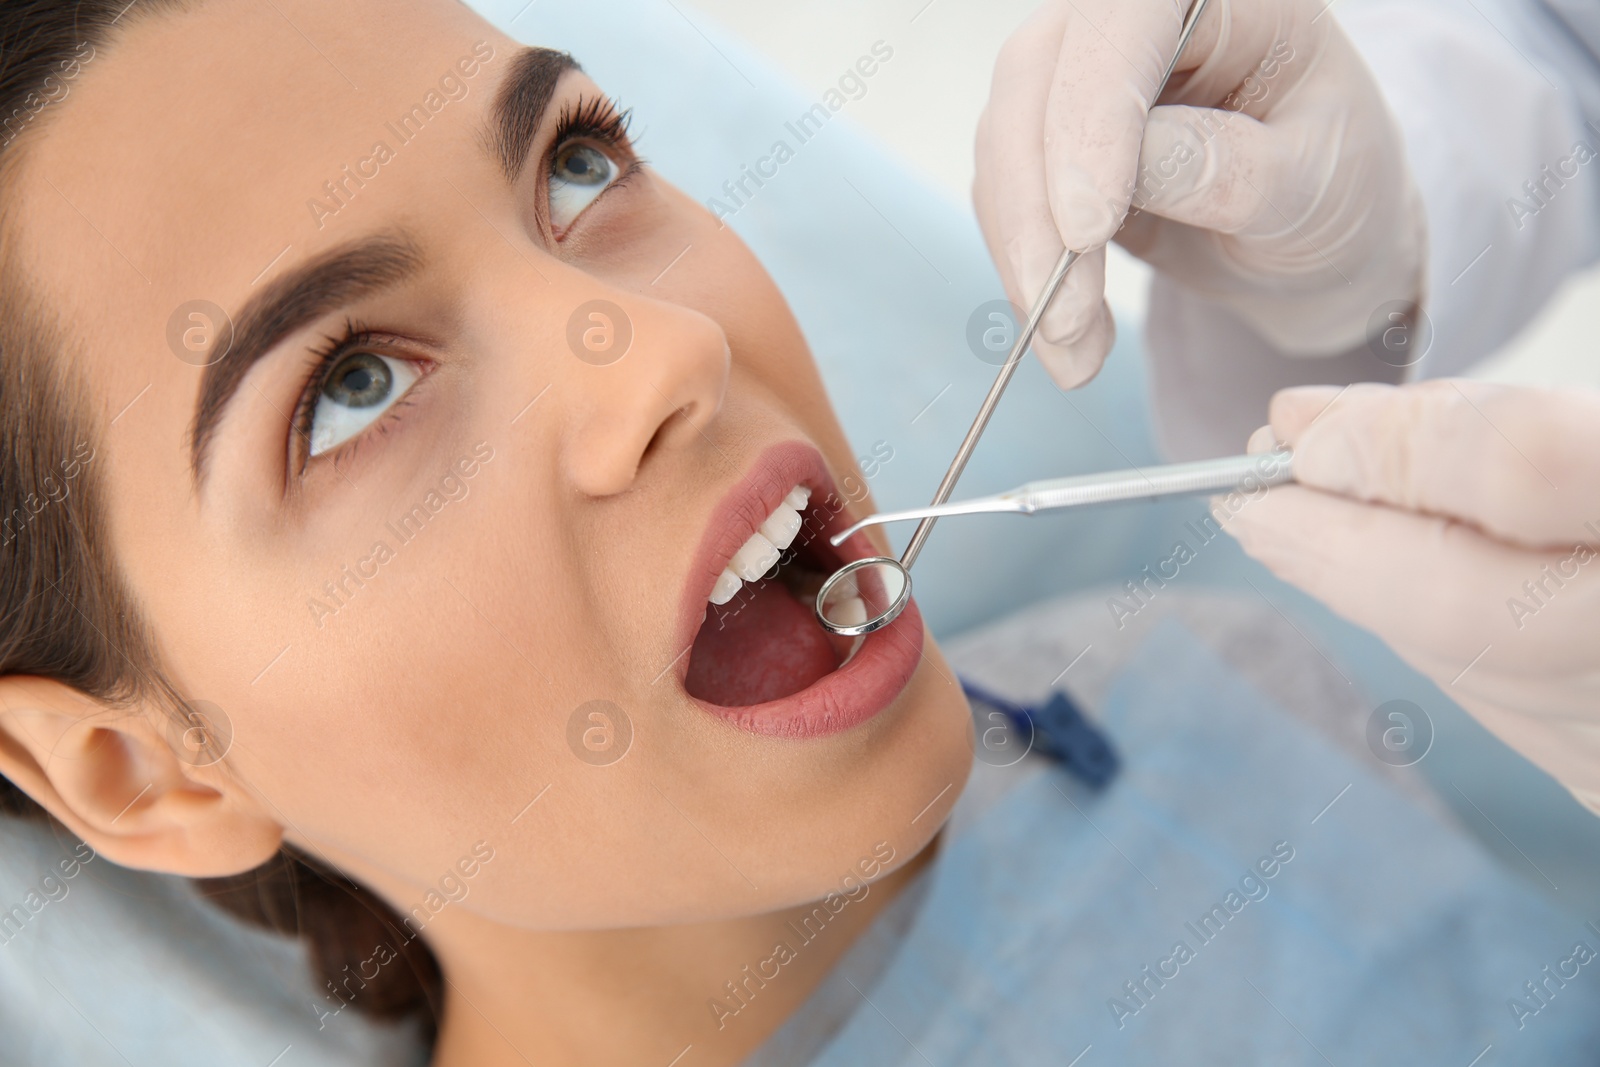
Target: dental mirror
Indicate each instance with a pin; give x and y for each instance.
(863, 596)
(839, 601)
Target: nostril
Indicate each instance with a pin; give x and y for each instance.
(669, 426)
(655, 440)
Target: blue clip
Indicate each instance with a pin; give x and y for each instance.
(1060, 731)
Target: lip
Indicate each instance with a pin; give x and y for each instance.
(887, 659)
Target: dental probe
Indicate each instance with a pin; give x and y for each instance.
(868, 594)
(1151, 483)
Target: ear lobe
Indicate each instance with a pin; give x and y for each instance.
(112, 776)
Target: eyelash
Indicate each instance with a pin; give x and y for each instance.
(599, 119)
(590, 118)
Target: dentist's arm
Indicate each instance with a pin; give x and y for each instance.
(1460, 522)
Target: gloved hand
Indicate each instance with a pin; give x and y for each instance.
(1460, 522)
(1271, 180)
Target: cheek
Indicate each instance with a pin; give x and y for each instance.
(436, 675)
(733, 288)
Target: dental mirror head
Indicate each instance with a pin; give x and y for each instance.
(863, 596)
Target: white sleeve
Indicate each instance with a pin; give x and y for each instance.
(1498, 102)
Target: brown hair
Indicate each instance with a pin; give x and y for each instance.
(64, 611)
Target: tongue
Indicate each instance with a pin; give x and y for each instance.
(763, 645)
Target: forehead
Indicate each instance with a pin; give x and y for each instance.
(192, 153)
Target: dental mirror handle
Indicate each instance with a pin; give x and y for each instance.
(1024, 339)
(1001, 380)
(1149, 483)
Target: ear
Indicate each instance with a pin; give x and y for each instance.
(114, 777)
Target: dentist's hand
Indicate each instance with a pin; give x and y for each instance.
(1271, 180)
(1460, 522)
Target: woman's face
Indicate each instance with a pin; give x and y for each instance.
(434, 525)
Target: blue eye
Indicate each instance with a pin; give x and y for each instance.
(579, 173)
(359, 388)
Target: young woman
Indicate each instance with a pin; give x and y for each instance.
(393, 462)
(433, 518)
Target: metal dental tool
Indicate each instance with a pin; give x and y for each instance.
(1247, 473)
(868, 594)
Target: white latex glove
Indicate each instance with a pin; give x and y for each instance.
(1272, 179)
(1460, 522)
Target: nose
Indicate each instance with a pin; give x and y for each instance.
(642, 375)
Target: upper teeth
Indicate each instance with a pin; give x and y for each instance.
(757, 555)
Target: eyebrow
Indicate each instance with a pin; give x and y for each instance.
(519, 106)
(361, 268)
(335, 278)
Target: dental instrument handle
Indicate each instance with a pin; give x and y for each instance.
(1025, 338)
(1149, 483)
(1177, 479)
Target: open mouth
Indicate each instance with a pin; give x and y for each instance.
(760, 640)
(759, 657)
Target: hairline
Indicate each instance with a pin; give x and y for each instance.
(43, 345)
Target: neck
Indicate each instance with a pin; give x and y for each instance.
(646, 995)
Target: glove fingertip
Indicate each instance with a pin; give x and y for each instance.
(1072, 366)
(1293, 410)
(1262, 440)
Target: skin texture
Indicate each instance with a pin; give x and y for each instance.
(425, 715)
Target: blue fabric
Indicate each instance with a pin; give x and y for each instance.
(1382, 936)
(101, 966)
(1056, 729)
